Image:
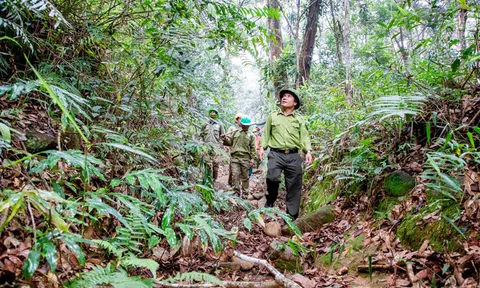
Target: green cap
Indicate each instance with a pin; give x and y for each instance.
(246, 121)
(293, 92)
(212, 109)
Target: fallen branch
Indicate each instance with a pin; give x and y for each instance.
(227, 284)
(279, 277)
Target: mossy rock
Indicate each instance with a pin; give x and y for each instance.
(399, 183)
(315, 220)
(37, 142)
(438, 232)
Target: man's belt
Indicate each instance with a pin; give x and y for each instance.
(285, 151)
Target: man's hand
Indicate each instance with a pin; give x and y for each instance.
(251, 162)
(308, 158)
(261, 154)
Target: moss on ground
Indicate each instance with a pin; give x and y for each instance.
(353, 254)
(440, 232)
(385, 206)
(399, 183)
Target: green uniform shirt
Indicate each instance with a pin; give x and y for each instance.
(286, 132)
(211, 132)
(243, 145)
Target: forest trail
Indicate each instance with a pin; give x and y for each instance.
(307, 272)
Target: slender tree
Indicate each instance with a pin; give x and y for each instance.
(276, 46)
(346, 50)
(305, 57)
(336, 33)
(460, 27)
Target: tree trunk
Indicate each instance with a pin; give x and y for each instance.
(347, 55)
(276, 45)
(305, 59)
(297, 40)
(462, 20)
(336, 33)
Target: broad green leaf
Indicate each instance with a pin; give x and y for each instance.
(477, 129)
(156, 186)
(247, 223)
(50, 253)
(143, 179)
(131, 150)
(448, 138)
(50, 213)
(11, 200)
(470, 138)
(5, 131)
(186, 229)
(115, 182)
(167, 217)
(31, 264)
(104, 208)
(75, 248)
(455, 65)
(171, 237)
(153, 241)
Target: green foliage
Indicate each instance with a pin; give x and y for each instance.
(135, 262)
(109, 276)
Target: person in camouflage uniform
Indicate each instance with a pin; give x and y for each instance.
(211, 134)
(242, 153)
(230, 130)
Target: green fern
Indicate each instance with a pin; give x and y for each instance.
(135, 262)
(398, 105)
(108, 276)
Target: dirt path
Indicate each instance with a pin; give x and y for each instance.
(255, 243)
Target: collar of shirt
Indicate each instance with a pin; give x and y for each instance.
(291, 114)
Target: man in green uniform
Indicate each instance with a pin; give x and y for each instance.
(242, 153)
(211, 134)
(285, 134)
(230, 130)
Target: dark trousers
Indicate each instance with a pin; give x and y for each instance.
(291, 165)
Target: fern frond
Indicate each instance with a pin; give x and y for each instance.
(398, 105)
(112, 249)
(107, 276)
(135, 262)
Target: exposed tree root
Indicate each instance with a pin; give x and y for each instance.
(280, 279)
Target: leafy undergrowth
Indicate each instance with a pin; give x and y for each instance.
(430, 236)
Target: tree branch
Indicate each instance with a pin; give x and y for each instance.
(279, 277)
